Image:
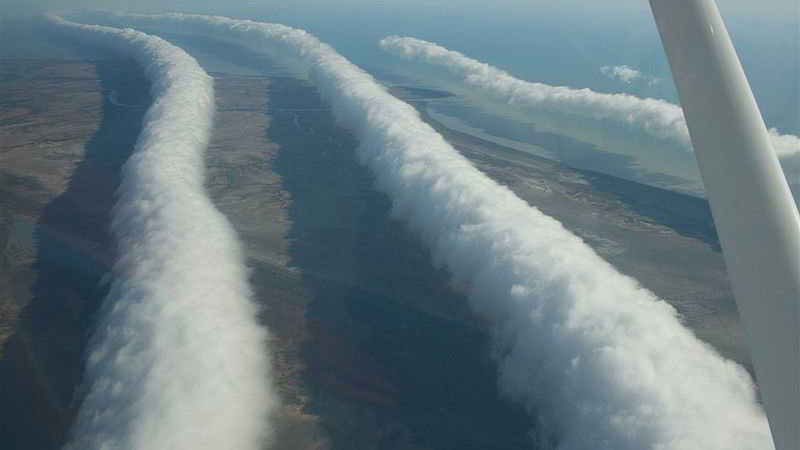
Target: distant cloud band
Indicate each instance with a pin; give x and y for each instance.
(178, 360)
(627, 74)
(658, 118)
(599, 361)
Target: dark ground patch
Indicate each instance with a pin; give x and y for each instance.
(42, 362)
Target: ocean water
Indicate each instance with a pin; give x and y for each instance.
(562, 46)
(553, 45)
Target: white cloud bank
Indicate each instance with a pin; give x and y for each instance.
(178, 360)
(600, 362)
(627, 74)
(656, 117)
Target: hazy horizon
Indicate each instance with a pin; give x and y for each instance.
(565, 44)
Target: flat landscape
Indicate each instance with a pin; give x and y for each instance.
(372, 347)
(665, 240)
(62, 148)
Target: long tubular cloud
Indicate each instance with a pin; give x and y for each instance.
(658, 118)
(598, 360)
(178, 359)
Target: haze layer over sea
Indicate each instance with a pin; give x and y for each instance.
(557, 45)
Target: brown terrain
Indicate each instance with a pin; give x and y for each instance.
(60, 156)
(370, 343)
(372, 347)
